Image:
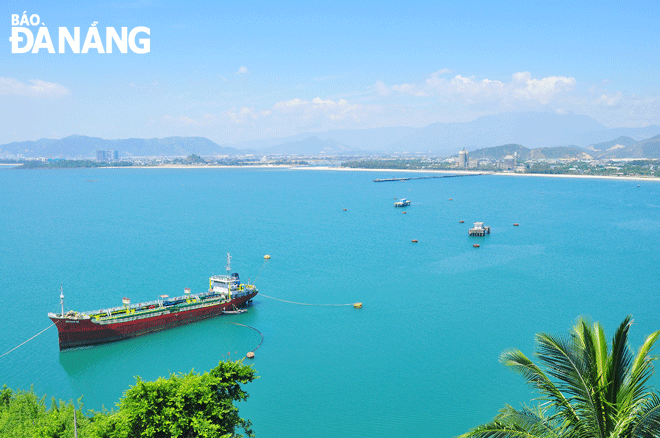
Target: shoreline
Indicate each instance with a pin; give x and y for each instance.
(452, 172)
(349, 169)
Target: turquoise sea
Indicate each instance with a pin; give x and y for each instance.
(419, 359)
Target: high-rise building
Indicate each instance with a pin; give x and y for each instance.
(462, 159)
(107, 155)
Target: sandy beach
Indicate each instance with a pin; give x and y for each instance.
(425, 171)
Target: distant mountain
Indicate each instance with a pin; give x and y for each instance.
(371, 139)
(602, 136)
(499, 152)
(531, 129)
(649, 148)
(523, 153)
(80, 146)
(617, 143)
(312, 146)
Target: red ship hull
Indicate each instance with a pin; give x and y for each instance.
(80, 332)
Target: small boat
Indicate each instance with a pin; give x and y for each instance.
(414, 240)
(461, 222)
(234, 312)
(516, 224)
(476, 245)
(403, 202)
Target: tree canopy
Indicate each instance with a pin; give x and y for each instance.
(182, 405)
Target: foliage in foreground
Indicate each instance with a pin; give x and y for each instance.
(183, 405)
(586, 390)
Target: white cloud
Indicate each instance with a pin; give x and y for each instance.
(469, 90)
(319, 108)
(381, 88)
(242, 70)
(36, 88)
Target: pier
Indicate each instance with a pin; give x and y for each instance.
(425, 177)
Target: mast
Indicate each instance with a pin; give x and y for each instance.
(228, 264)
(62, 300)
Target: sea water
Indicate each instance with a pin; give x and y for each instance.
(419, 359)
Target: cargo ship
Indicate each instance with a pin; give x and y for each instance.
(226, 294)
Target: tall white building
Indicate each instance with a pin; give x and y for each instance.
(463, 159)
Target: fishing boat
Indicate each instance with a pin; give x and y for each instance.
(226, 294)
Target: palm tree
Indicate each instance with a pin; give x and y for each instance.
(586, 391)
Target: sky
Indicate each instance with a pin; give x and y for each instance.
(239, 71)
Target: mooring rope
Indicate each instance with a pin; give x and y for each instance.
(262, 336)
(261, 269)
(28, 340)
(306, 304)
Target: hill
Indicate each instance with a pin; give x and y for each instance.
(80, 146)
(557, 152)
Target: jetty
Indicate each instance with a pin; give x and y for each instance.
(479, 229)
(425, 177)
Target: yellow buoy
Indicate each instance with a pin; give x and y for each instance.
(266, 257)
(357, 305)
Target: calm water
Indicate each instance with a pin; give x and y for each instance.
(420, 359)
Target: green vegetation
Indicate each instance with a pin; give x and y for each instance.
(183, 405)
(586, 390)
(403, 163)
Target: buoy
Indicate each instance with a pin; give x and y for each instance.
(476, 245)
(516, 224)
(266, 257)
(461, 222)
(357, 305)
(250, 355)
(414, 240)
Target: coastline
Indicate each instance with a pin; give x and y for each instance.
(347, 169)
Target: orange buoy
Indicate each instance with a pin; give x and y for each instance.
(414, 240)
(250, 355)
(476, 245)
(357, 305)
(515, 225)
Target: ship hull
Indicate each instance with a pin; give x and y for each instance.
(82, 332)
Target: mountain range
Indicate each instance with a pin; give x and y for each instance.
(539, 132)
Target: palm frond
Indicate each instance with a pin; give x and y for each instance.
(566, 361)
(510, 423)
(620, 361)
(534, 376)
(645, 422)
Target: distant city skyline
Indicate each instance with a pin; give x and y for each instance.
(236, 72)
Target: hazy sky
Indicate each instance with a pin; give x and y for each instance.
(235, 71)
